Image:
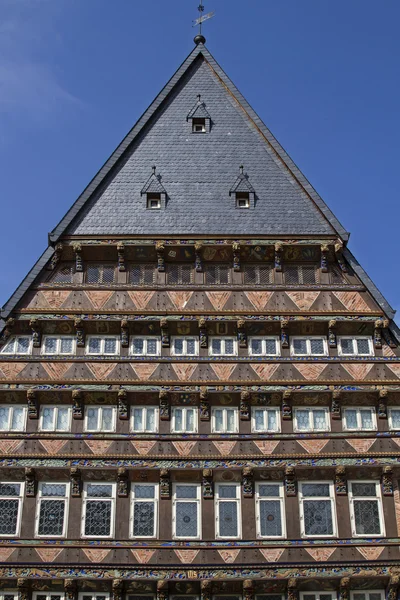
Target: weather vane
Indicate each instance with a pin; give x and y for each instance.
(202, 17)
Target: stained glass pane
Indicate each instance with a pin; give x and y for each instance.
(110, 345)
(178, 419)
(144, 491)
(375, 596)
(50, 345)
(191, 346)
(251, 275)
(107, 424)
(367, 419)
(269, 491)
(152, 347)
(270, 346)
(23, 345)
(299, 346)
(308, 274)
(259, 419)
(256, 346)
(143, 519)
(9, 516)
(270, 518)
(318, 517)
(227, 491)
(319, 419)
(138, 419)
(108, 274)
(98, 518)
(137, 345)
(223, 274)
(363, 489)
(178, 346)
(94, 345)
(216, 346)
(351, 418)
(362, 346)
(148, 274)
(211, 275)
(272, 420)
(150, 419)
(17, 423)
(186, 491)
(303, 420)
(359, 596)
(48, 418)
(347, 346)
(4, 417)
(291, 275)
(92, 418)
(219, 420)
(10, 489)
(185, 274)
(99, 490)
(186, 519)
(315, 490)
(317, 346)
(63, 275)
(93, 274)
(190, 420)
(63, 419)
(228, 515)
(229, 346)
(51, 517)
(66, 345)
(230, 420)
(366, 516)
(395, 415)
(53, 489)
(9, 348)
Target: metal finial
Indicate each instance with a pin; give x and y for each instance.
(200, 39)
(241, 169)
(199, 97)
(154, 169)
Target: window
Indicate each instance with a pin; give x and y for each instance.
(318, 596)
(217, 274)
(270, 597)
(144, 419)
(308, 346)
(180, 274)
(242, 200)
(55, 418)
(359, 419)
(11, 495)
(301, 274)
(107, 345)
(311, 419)
(264, 346)
(98, 510)
(186, 517)
(185, 346)
(100, 418)
(394, 417)
(142, 274)
(12, 418)
(355, 346)
(270, 513)
(366, 508)
(222, 346)
(257, 274)
(154, 201)
(145, 346)
(20, 344)
(224, 420)
(100, 273)
(144, 514)
(264, 419)
(367, 595)
(336, 275)
(317, 509)
(58, 345)
(5, 595)
(198, 125)
(48, 596)
(227, 511)
(64, 274)
(92, 596)
(184, 419)
(52, 509)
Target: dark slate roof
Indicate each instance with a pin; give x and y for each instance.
(242, 184)
(198, 111)
(153, 185)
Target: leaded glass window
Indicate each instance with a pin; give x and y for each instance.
(55, 418)
(52, 509)
(366, 508)
(10, 508)
(264, 346)
(48, 596)
(269, 597)
(270, 514)
(99, 418)
(218, 274)
(394, 417)
(318, 595)
(224, 420)
(107, 345)
(144, 419)
(144, 516)
(98, 509)
(222, 346)
(142, 274)
(258, 274)
(227, 499)
(12, 418)
(103, 274)
(92, 596)
(359, 419)
(311, 419)
(367, 595)
(180, 274)
(317, 509)
(184, 346)
(184, 419)
(308, 346)
(355, 346)
(186, 511)
(265, 419)
(58, 344)
(336, 275)
(64, 274)
(145, 346)
(301, 274)
(20, 344)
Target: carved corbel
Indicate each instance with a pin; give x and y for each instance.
(382, 406)
(165, 409)
(245, 397)
(236, 256)
(248, 482)
(55, 259)
(165, 339)
(339, 257)
(121, 256)
(122, 482)
(77, 404)
(23, 588)
(290, 481)
(77, 248)
(332, 340)
(160, 250)
(125, 333)
(203, 337)
(292, 593)
(387, 336)
(7, 331)
(32, 402)
(286, 405)
(278, 256)
(387, 481)
(344, 588)
(340, 481)
(123, 412)
(336, 409)
(206, 589)
(198, 263)
(76, 482)
(34, 324)
(80, 333)
(378, 326)
(242, 333)
(248, 589)
(30, 482)
(117, 589)
(204, 404)
(165, 483)
(324, 258)
(285, 333)
(70, 587)
(393, 587)
(208, 484)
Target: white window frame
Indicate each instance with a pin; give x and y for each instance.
(332, 499)
(311, 409)
(145, 338)
(55, 407)
(354, 338)
(14, 339)
(308, 339)
(377, 497)
(263, 338)
(185, 338)
(102, 338)
(242, 199)
(259, 499)
(269, 596)
(86, 498)
(135, 500)
(10, 418)
(266, 409)
(20, 499)
(100, 429)
(318, 594)
(184, 418)
(224, 408)
(390, 408)
(5, 593)
(367, 592)
(358, 409)
(49, 595)
(197, 500)
(218, 501)
(144, 408)
(94, 595)
(222, 338)
(40, 497)
(58, 349)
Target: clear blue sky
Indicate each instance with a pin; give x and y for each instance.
(323, 75)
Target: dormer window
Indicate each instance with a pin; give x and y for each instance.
(155, 193)
(154, 201)
(199, 125)
(242, 191)
(242, 200)
(199, 118)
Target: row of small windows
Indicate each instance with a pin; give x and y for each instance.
(316, 503)
(109, 345)
(214, 274)
(378, 594)
(185, 419)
